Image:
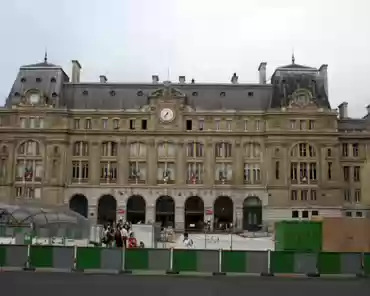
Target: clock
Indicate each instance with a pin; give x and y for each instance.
(34, 98)
(167, 114)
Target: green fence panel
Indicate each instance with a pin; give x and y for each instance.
(366, 263)
(234, 261)
(41, 256)
(136, 259)
(282, 262)
(88, 258)
(329, 263)
(184, 260)
(2, 255)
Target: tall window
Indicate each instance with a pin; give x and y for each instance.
(195, 149)
(194, 173)
(252, 150)
(303, 166)
(137, 150)
(166, 173)
(166, 149)
(80, 149)
(223, 150)
(4, 156)
(223, 173)
(108, 172)
(137, 172)
(252, 173)
(29, 170)
(80, 167)
(109, 149)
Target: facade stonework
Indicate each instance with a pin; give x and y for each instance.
(269, 151)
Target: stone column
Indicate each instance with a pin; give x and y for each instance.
(152, 159)
(123, 162)
(209, 165)
(94, 163)
(238, 164)
(180, 164)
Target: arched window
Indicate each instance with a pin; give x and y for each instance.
(109, 148)
(252, 150)
(166, 149)
(80, 149)
(223, 150)
(29, 170)
(29, 148)
(138, 150)
(195, 149)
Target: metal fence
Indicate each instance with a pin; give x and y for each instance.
(216, 262)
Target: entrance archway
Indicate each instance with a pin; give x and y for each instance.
(107, 210)
(223, 210)
(79, 204)
(165, 211)
(135, 208)
(194, 214)
(252, 213)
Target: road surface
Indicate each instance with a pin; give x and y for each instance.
(55, 284)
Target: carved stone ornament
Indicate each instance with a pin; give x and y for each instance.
(301, 98)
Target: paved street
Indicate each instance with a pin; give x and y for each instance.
(28, 283)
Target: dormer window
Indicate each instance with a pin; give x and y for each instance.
(85, 92)
(23, 79)
(38, 79)
(17, 94)
(53, 80)
(140, 93)
(34, 98)
(222, 94)
(54, 94)
(250, 94)
(112, 93)
(194, 94)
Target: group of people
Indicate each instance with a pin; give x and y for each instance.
(120, 235)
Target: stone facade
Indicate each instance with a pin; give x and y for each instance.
(281, 144)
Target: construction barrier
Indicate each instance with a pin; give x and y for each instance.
(216, 262)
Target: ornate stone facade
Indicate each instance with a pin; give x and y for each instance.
(181, 153)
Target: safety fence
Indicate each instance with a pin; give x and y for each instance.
(174, 261)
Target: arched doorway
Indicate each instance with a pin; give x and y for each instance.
(79, 204)
(165, 211)
(107, 210)
(135, 208)
(194, 214)
(223, 213)
(252, 213)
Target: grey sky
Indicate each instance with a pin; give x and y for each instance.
(130, 40)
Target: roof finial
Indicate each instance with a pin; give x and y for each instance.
(293, 58)
(46, 56)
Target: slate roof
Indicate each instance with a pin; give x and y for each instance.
(109, 96)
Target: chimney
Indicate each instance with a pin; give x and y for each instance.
(76, 70)
(262, 73)
(103, 79)
(234, 79)
(182, 79)
(155, 79)
(368, 109)
(193, 81)
(323, 73)
(343, 110)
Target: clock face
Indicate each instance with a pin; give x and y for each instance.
(34, 98)
(167, 114)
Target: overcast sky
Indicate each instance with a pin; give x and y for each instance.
(208, 40)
